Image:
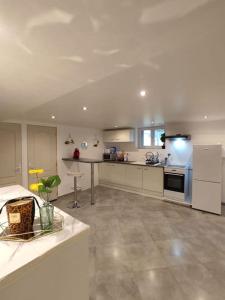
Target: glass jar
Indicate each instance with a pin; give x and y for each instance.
(46, 216)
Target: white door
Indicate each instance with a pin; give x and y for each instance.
(42, 151)
(133, 177)
(206, 196)
(207, 163)
(10, 154)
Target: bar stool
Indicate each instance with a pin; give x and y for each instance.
(75, 175)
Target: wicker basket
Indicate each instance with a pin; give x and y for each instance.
(20, 216)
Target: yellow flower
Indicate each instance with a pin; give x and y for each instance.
(36, 171)
(35, 186)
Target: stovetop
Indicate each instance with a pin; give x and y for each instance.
(176, 166)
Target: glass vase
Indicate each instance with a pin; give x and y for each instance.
(46, 216)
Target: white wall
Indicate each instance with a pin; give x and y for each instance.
(79, 135)
(135, 154)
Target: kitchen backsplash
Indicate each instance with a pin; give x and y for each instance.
(181, 152)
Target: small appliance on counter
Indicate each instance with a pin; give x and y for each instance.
(106, 156)
(151, 158)
(176, 183)
(76, 154)
(109, 153)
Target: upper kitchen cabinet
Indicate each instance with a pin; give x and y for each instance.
(119, 136)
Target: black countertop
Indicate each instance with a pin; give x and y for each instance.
(97, 161)
(84, 160)
(133, 163)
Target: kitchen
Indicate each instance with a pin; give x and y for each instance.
(167, 179)
(112, 138)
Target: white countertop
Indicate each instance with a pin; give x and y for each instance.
(15, 255)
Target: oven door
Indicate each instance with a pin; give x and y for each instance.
(174, 182)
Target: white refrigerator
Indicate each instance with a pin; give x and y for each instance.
(207, 178)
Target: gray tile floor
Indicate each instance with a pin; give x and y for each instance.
(146, 249)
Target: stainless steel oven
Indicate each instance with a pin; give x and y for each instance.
(175, 183)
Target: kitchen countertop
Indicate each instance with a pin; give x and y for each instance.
(15, 255)
(84, 160)
(97, 161)
(136, 163)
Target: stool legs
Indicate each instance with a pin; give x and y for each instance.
(92, 184)
(76, 203)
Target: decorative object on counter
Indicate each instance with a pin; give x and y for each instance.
(69, 140)
(20, 215)
(76, 154)
(36, 232)
(47, 216)
(163, 140)
(125, 157)
(44, 187)
(84, 145)
(96, 144)
(120, 155)
(166, 162)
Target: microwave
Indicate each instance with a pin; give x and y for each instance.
(109, 156)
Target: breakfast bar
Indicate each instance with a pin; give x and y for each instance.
(92, 162)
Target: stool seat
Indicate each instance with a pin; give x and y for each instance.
(75, 174)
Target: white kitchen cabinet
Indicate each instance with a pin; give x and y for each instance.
(140, 179)
(111, 173)
(117, 174)
(153, 181)
(133, 177)
(105, 173)
(118, 136)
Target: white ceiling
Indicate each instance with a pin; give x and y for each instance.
(58, 56)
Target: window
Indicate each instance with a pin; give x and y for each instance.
(150, 137)
(147, 139)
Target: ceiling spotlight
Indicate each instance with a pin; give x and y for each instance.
(84, 107)
(143, 93)
(115, 126)
(205, 117)
(53, 117)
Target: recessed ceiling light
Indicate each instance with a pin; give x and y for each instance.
(84, 107)
(205, 117)
(143, 93)
(53, 117)
(153, 122)
(115, 126)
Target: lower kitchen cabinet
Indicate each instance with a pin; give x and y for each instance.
(117, 174)
(133, 177)
(153, 181)
(111, 174)
(141, 179)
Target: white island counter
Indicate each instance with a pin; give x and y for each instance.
(51, 267)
